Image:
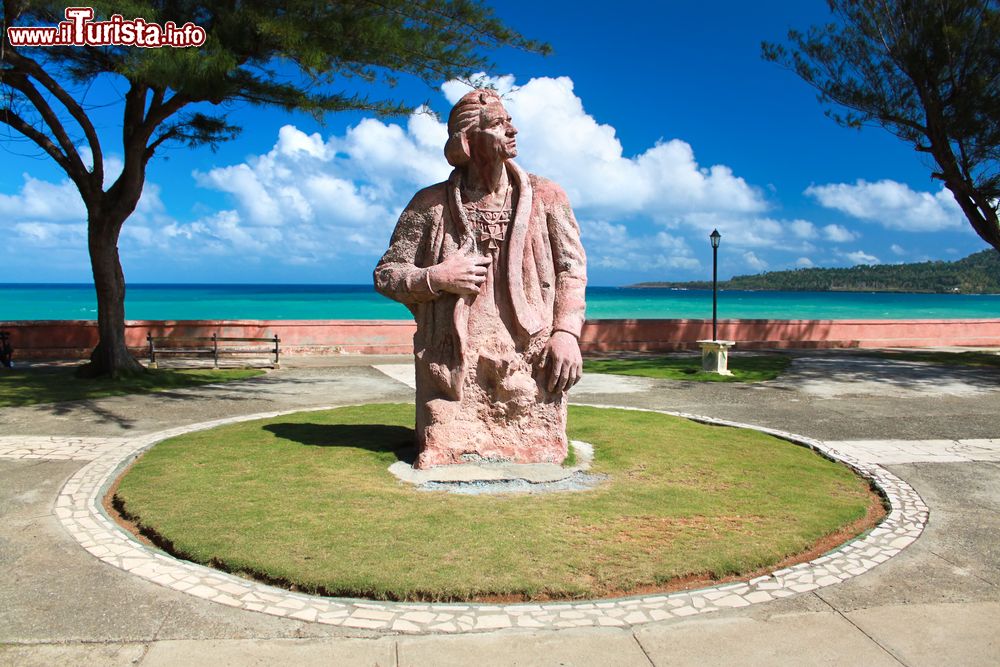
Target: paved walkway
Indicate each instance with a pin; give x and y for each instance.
(937, 601)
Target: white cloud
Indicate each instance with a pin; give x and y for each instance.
(560, 140)
(344, 193)
(747, 231)
(241, 181)
(861, 257)
(892, 205)
(42, 200)
(612, 246)
(49, 234)
(339, 194)
(314, 197)
(51, 215)
(804, 263)
(897, 249)
(803, 229)
(839, 234)
(753, 261)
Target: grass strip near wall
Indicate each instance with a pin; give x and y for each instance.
(305, 500)
(749, 368)
(19, 387)
(975, 359)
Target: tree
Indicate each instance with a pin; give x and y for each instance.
(927, 71)
(295, 55)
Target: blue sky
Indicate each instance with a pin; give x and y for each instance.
(659, 119)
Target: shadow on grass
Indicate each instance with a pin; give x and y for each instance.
(374, 437)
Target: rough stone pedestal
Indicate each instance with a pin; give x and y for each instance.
(715, 356)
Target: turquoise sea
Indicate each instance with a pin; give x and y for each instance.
(361, 302)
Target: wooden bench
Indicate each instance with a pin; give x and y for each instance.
(213, 346)
(6, 351)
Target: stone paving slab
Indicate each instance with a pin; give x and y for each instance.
(47, 655)
(403, 373)
(297, 652)
(67, 448)
(929, 635)
(594, 647)
(79, 508)
(831, 640)
(888, 452)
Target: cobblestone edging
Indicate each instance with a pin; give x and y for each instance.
(79, 508)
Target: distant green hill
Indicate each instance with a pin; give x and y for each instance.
(976, 274)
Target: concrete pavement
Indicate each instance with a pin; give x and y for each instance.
(936, 602)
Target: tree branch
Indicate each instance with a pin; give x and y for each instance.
(9, 117)
(32, 68)
(160, 112)
(72, 163)
(169, 134)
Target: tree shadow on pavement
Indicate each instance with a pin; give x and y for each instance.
(127, 410)
(869, 373)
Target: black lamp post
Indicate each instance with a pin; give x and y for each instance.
(715, 237)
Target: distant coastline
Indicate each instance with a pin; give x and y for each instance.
(976, 274)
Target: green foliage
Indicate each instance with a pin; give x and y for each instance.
(293, 55)
(298, 55)
(306, 501)
(976, 274)
(29, 386)
(745, 368)
(926, 71)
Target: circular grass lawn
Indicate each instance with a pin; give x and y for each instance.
(306, 501)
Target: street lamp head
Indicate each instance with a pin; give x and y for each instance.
(715, 236)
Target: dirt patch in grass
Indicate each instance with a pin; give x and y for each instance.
(320, 513)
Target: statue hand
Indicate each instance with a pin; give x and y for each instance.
(565, 364)
(459, 274)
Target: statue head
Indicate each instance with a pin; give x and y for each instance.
(479, 126)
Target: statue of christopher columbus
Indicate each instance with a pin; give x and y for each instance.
(491, 266)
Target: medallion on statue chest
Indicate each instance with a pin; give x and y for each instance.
(490, 226)
(491, 229)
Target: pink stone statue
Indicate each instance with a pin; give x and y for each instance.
(491, 266)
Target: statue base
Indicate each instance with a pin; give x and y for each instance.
(489, 477)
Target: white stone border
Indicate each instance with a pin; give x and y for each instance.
(79, 508)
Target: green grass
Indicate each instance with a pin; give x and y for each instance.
(306, 500)
(752, 368)
(982, 359)
(28, 386)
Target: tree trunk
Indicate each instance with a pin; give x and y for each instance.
(111, 357)
(983, 218)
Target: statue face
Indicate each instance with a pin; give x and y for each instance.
(495, 137)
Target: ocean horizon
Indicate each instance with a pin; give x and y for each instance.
(145, 301)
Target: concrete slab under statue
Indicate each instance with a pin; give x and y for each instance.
(715, 356)
(505, 478)
(491, 265)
